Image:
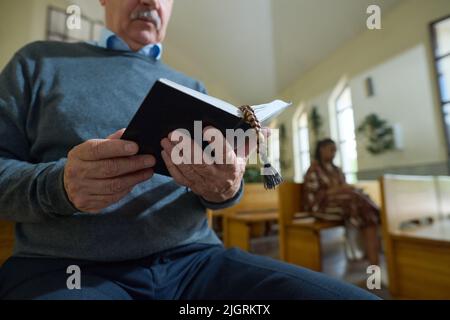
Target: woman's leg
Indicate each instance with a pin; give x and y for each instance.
(364, 215)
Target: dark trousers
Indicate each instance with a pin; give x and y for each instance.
(193, 272)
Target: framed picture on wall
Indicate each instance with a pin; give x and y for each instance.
(57, 29)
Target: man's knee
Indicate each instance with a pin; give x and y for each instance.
(273, 279)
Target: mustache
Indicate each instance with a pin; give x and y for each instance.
(148, 15)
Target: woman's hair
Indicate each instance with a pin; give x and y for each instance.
(319, 146)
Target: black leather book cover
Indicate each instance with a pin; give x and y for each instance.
(166, 109)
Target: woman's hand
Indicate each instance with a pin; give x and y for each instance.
(348, 188)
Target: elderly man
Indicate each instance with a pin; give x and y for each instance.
(94, 205)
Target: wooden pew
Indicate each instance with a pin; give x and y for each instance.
(443, 189)
(6, 240)
(418, 255)
(242, 227)
(300, 239)
(300, 243)
(250, 217)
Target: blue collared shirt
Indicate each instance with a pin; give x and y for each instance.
(110, 40)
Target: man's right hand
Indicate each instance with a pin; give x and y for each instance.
(99, 173)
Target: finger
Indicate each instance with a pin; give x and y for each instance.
(177, 151)
(179, 141)
(227, 154)
(168, 146)
(215, 139)
(101, 149)
(117, 135)
(174, 171)
(116, 167)
(222, 169)
(188, 165)
(116, 185)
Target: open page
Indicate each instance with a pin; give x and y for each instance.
(263, 112)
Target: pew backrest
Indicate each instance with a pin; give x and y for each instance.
(408, 198)
(443, 189)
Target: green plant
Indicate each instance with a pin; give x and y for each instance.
(379, 135)
(253, 175)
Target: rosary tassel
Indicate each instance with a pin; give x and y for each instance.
(271, 176)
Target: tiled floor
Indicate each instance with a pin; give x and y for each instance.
(336, 263)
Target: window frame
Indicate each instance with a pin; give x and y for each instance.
(436, 59)
(303, 151)
(340, 141)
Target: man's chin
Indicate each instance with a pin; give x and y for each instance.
(145, 38)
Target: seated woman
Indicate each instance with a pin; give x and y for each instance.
(328, 196)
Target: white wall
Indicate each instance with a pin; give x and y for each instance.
(404, 29)
(403, 95)
(25, 21)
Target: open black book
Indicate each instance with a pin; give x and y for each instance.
(170, 106)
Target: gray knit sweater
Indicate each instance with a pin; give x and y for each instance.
(54, 96)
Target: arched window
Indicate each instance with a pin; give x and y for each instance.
(303, 135)
(441, 39)
(301, 150)
(345, 139)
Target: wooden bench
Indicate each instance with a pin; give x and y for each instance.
(443, 192)
(300, 239)
(6, 240)
(242, 227)
(250, 218)
(416, 232)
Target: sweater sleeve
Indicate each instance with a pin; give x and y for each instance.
(226, 204)
(29, 192)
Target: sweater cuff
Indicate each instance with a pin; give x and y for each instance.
(60, 204)
(223, 205)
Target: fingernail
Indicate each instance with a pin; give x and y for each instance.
(148, 162)
(131, 147)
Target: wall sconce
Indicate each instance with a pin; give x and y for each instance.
(398, 136)
(370, 91)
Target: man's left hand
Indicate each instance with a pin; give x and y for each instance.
(213, 182)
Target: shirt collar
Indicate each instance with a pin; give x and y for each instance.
(109, 40)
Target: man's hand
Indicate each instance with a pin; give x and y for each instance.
(213, 182)
(99, 173)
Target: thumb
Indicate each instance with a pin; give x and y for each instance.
(117, 135)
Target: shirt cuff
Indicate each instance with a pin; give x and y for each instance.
(223, 205)
(60, 204)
